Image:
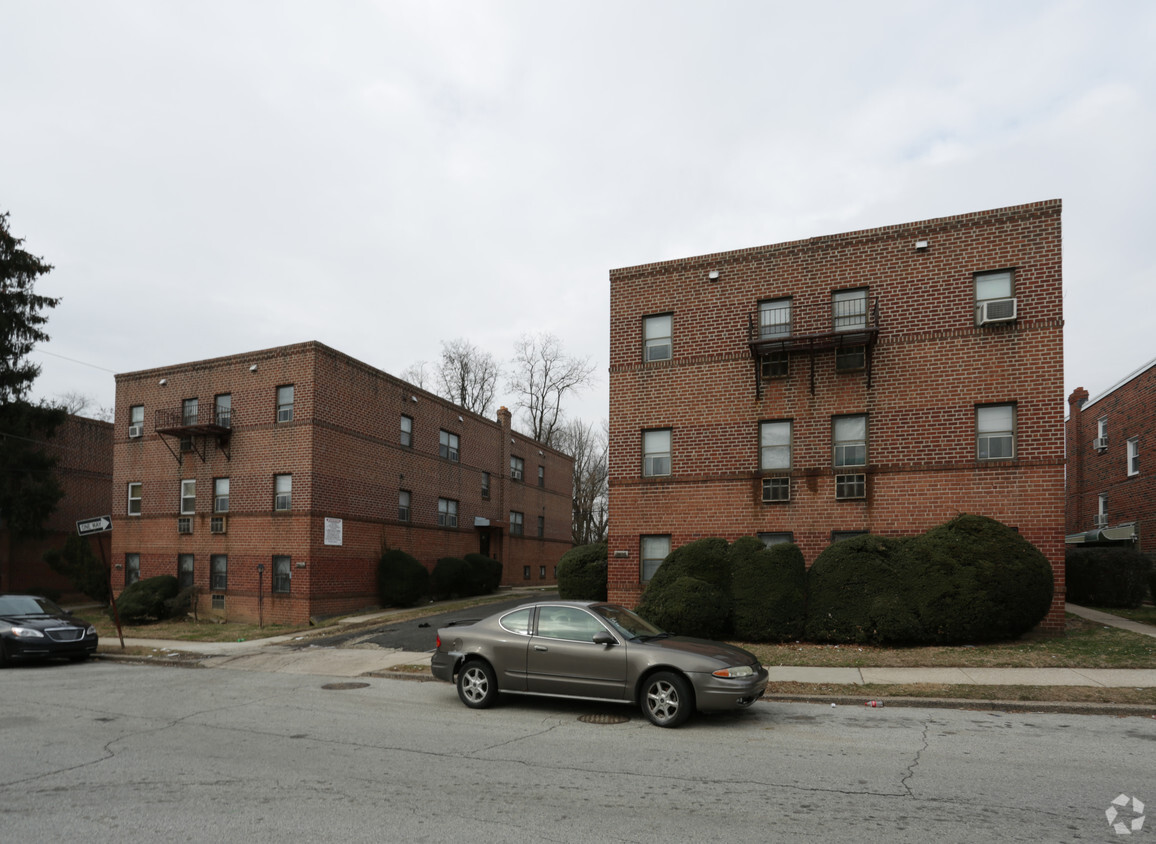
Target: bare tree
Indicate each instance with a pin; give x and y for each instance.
(75, 403)
(468, 376)
(588, 446)
(543, 376)
(418, 374)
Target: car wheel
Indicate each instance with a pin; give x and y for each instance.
(477, 685)
(667, 700)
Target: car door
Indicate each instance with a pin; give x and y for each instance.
(563, 658)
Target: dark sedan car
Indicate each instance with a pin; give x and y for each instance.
(36, 628)
(596, 651)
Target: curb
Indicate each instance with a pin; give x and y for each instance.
(1119, 710)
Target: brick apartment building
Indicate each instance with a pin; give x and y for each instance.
(1111, 499)
(273, 480)
(83, 451)
(883, 380)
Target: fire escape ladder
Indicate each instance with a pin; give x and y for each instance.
(193, 432)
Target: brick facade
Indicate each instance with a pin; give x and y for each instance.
(83, 451)
(1106, 439)
(926, 368)
(343, 449)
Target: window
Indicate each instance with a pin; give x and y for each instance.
(184, 524)
(447, 513)
(850, 358)
(775, 318)
(223, 410)
(776, 489)
(780, 538)
(131, 568)
(525, 572)
(188, 497)
(569, 623)
(184, 571)
(775, 445)
(281, 575)
(1102, 428)
(217, 602)
(282, 492)
(516, 622)
(219, 571)
(839, 535)
(541, 526)
(403, 505)
(285, 403)
(220, 495)
(517, 465)
(542, 476)
(656, 453)
(995, 432)
(218, 524)
(1134, 456)
(656, 337)
(541, 572)
(653, 550)
(990, 287)
(189, 412)
(136, 420)
(407, 431)
(516, 523)
(850, 441)
(775, 365)
(850, 486)
(849, 309)
(134, 491)
(448, 446)
(486, 486)
(1102, 510)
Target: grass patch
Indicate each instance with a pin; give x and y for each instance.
(1086, 644)
(884, 692)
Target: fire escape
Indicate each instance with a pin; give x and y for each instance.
(194, 428)
(854, 326)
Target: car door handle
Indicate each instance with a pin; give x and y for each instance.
(541, 648)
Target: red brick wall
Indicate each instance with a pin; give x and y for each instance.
(931, 367)
(343, 449)
(1130, 411)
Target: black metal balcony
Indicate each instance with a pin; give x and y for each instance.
(193, 428)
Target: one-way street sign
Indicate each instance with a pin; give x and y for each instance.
(99, 524)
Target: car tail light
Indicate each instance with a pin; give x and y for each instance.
(439, 642)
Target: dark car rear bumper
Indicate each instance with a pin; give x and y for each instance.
(442, 665)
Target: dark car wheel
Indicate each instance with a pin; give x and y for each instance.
(666, 699)
(477, 685)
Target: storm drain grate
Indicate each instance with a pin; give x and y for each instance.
(602, 718)
(341, 687)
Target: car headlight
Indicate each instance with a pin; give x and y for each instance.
(735, 671)
(89, 631)
(26, 633)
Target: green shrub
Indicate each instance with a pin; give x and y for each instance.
(145, 600)
(688, 606)
(181, 603)
(582, 573)
(401, 580)
(974, 579)
(768, 590)
(1107, 577)
(855, 593)
(77, 561)
(702, 561)
(452, 577)
(487, 572)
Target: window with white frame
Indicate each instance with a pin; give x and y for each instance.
(447, 513)
(184, 571)
(220, 495)
(541, 476)
(189, 412)
(652, 551)
(188, 497)
(136, 420)
(403, 505)
(407, 431)
(448, 446)
(131, 568)
(517, 523)
(282, 492)
(223, 410)
(775, 445)
(134, 495)
(849, 309)
(656, 337)
(990, 287)
(775, 318)
(1102, 509)
(1133, 456)
(776, 538)
(486, 486)
(1102, 428)
(995, 432)
(517, 468)
(656, 453)
(282, 574)
(849, 435)
(219, 571)
(285, 403)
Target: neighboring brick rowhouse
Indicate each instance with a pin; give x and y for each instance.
(339, 452)
(83, 451)
(900, 349)
(1106, 441)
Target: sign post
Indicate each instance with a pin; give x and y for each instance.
(96, 526)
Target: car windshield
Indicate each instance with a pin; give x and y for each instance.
(627, 623)
(27, 605)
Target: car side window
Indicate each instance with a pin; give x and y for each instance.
(567, 623)
(517, 622)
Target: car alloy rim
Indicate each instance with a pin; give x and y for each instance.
(475, 684)
(662, 698)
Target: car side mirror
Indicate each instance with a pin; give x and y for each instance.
(604, 638)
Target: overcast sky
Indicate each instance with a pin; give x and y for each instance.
(218, 177)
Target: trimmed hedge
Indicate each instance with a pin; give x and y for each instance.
(487, 572)
(768, 590)
(145, 600)
(401, 580)
(855, 593)
(452, 577)
(582, 573)
(1107, 577)
(672, 608)
(688, 606)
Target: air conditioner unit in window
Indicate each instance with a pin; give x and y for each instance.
(135, 431)
(184, 525)
(997, 310)
(285, 414)
(1100, 443)
(1100, 520)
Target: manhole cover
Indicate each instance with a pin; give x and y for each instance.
(603, 719)
(341, 687)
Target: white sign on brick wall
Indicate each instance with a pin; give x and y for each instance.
(333, 528)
